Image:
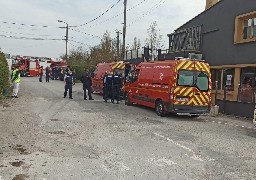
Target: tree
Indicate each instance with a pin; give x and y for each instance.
(136, 44)
(154, 40)
(4, 75)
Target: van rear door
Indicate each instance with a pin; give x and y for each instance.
(192, 93)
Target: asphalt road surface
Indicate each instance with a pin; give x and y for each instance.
(44, 136)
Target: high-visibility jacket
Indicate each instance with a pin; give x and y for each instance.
(16, 76)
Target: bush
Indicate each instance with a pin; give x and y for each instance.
(4, 75)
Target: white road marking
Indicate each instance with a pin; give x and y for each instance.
(219, 122)
(195, 156)
(161, 162)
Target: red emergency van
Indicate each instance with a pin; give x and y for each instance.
(101, 69)
(173, 86)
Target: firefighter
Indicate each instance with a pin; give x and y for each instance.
(108, 88)
(68, 79)
(53, 73)
(47, 74)
(16, 82)
(41, 74)
(116, 87)
(105, 93)
(87, 83)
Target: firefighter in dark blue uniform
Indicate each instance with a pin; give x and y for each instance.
(105, 92)
(68, 79)
(116, 88)
(87, 83)
(108, 87)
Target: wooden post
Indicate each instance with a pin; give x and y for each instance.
(124, 29)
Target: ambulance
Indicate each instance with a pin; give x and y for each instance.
(173, 86)
(101, 69)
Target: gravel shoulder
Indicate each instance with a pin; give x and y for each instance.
(44, 136)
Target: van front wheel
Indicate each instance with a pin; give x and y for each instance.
(160, 111)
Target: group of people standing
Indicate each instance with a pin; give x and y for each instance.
(47, 74)
(112, 85)
(70, 81)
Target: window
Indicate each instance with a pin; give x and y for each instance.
(186, 78)
(254, 28)
(216, 76)
(245, 28)
(194, 79)
(228, 79)
(133, 76)
(248, 28)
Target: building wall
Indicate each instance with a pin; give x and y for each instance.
(218, 27)
(210, 3)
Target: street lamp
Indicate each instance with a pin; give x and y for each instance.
(66, 56)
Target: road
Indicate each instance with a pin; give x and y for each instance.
(44, 136)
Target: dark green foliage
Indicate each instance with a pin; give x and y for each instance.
(4, 75)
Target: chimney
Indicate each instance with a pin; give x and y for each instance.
(210, 3)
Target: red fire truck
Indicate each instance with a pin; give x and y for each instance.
(27, 67)
(173, 86)
(101, 69)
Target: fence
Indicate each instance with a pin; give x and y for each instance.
(244, 106)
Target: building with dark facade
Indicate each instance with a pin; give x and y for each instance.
(225, 36)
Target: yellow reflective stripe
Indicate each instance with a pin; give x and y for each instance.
(114, 66)
(182, 91)
(200, 66)
(176, 90)
(189, 90)
(202, 97)
(187, 65)
(206, 68)
(181, 65)
(198, 100)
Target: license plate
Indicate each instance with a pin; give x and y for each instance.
(182, 99)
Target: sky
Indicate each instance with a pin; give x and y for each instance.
(169, 15)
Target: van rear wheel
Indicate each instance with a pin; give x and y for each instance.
(127, 99)
(160, 111)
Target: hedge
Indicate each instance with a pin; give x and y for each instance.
(4, 75)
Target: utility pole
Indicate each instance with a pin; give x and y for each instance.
(124, 29)
(66, 43)
(117, 45)
(66, 39)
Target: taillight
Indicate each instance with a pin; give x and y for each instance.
(171, 94)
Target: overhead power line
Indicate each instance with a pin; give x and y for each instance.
(161, 2)
(95, 36)
(10, 32)
(113, 17)
(28, 38)
(30, 25)
(99, 15)
(83, 44)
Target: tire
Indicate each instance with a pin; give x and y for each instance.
(127, 100)
(160, 111)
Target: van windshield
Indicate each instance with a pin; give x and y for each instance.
(194, 79)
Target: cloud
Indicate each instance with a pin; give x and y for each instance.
(169, 16)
